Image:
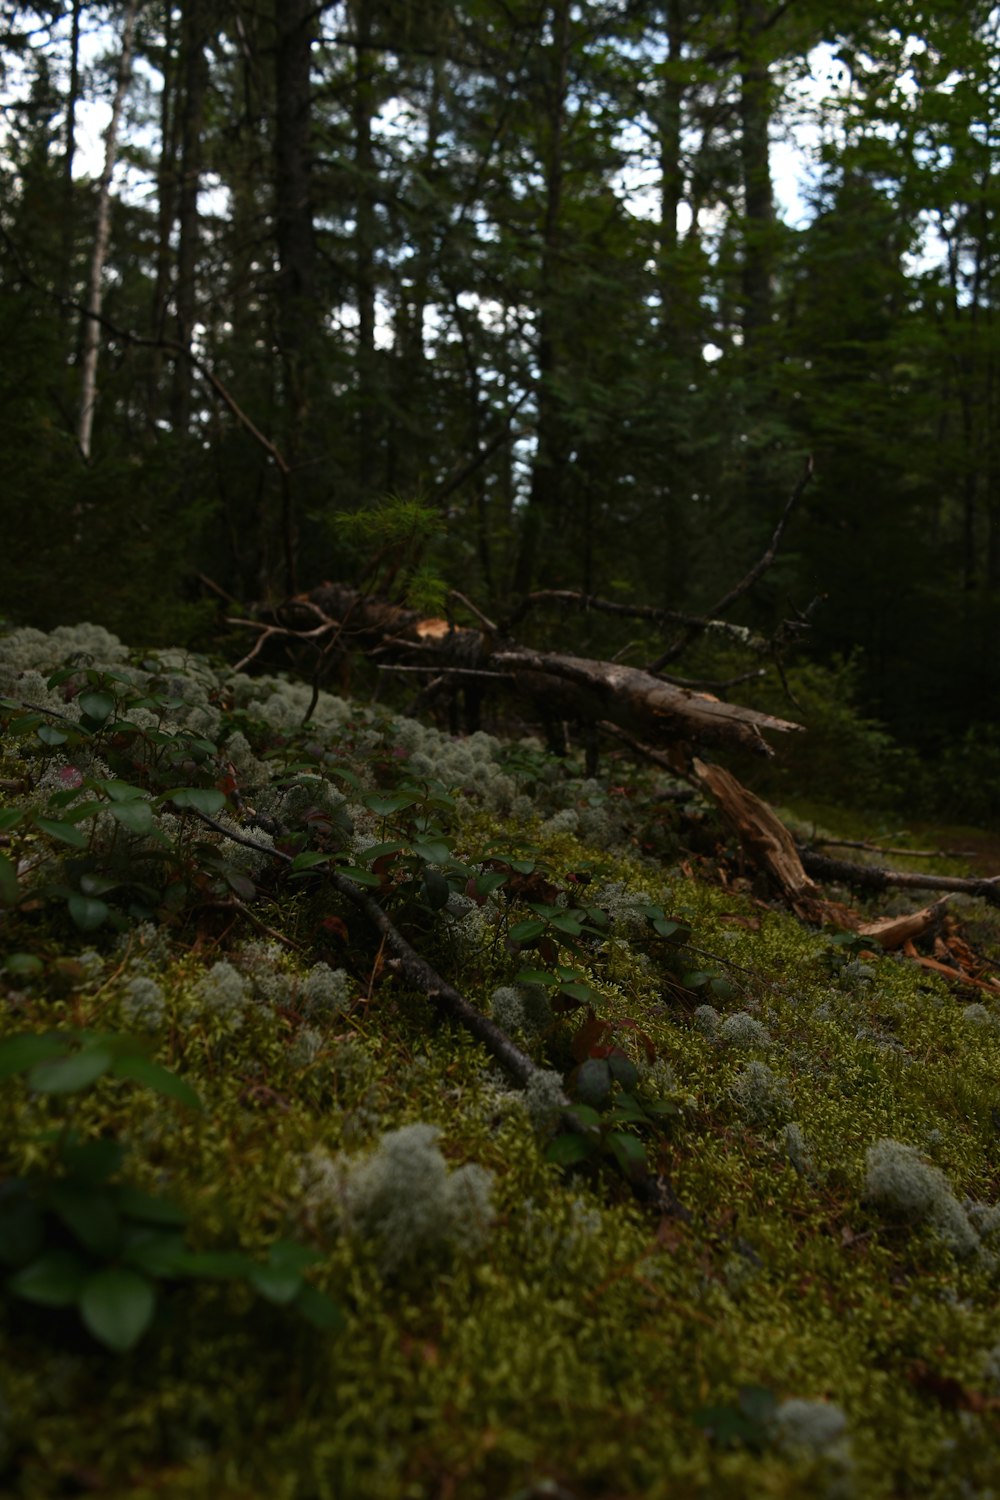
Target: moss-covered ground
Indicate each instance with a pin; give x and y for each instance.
(816, 1319)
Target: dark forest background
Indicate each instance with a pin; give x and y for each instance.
(505, 281)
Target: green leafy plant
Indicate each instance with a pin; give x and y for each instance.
(75, 1235)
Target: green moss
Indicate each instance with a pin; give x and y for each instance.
(578, 1340)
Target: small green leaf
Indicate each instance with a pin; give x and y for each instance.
(117, 1306)
(87, 911)
(80, 811)
(67, 832)
(22, 1226)
(90, 1214)
(308, 860)
(523, 932)
(593, 1082)
(585, 1116)
(278, 1284)
(696, 979)
(66, 1075)
(136, 816)
(360, 877)
(317, 1309)
(489, 882)
(226, 1264)
(24, 965)
(198, 798)
(723, 988)
(96, 706)
(144, 1070)
(154, 1251)
(10, 891)
(10, 817)
(290, 1255)
(434, 851)
(537, 976)
(436, 889)
(568, 1149)
(120, 791)
(20, 1053)
(379, 851)
(147, 1207)
(55, 1279)
(50, 735)
(382, 805)
(666, 928)
(629, 1152)
(566, 923)
(94, 1161)
(577, 991)
(623, 1070)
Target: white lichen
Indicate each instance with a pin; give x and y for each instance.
(743, 1030)
(904, 1186)
(406, 1203)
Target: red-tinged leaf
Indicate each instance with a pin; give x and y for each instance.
(588, 1036)
(336, 927)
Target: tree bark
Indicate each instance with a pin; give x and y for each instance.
(195, 83)
(102, 237)
(544, 498)
(298, 311)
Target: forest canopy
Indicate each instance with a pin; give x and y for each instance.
(521, 266)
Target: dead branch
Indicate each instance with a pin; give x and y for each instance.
(760, 567)
(759, 830)
(875, 878)
(870, 848)
(650, 1188)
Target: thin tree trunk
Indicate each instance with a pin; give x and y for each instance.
(758, 195)
(69, 149)
(670, 103)
(545, 498)
(298, 316)
(166, 213)
(102, 236)
(364, 243)
(195, 84)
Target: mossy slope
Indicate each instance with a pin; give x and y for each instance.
(818, 1325)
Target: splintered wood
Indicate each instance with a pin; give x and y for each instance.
(759, 830)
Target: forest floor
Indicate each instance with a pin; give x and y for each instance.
(273, 1224)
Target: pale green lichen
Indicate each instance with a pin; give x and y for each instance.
(743, 1030)
(761, 1095)
(902, 1184)
(404, 1200)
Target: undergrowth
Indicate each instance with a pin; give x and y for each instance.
(816, 1315)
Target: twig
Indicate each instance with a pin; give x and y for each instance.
(884, 849)
(650, 1188)
(473, 610)
(693, 628)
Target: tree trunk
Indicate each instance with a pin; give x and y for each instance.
(758, 196)
(69, 151)
(195, 82)
(364, 248)
(298, 312)
(544, 499)
(102, 236)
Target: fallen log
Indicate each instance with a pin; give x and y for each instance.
(875, 878)
(571, 687)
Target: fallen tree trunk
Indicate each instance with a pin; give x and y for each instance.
(571, 687)
(875, 878)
